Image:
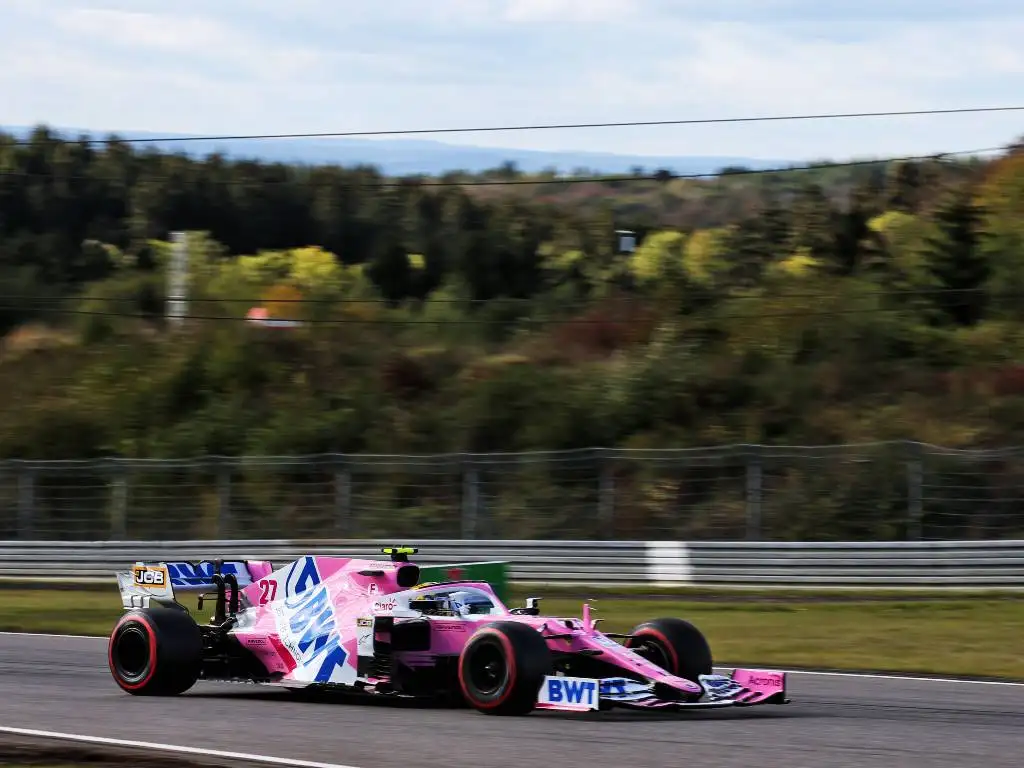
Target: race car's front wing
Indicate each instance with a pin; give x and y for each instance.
(744, 688)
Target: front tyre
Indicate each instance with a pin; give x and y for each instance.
(155, 652)
(675, 645)
(502, 668)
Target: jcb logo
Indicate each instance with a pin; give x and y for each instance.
(150, 577)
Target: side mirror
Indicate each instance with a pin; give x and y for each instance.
(531, 609)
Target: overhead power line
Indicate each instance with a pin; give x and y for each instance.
(565, 126)
(605, 179)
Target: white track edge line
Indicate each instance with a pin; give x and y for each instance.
(810, 672)
(173, 748)
(883, 676)
(909, 678)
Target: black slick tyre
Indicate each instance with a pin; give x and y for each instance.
(155, 652)
(675, 645)
(502, 668)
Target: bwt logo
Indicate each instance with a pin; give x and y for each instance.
(310, 633)
(572, 691)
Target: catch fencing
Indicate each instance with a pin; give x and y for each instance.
(583, 563)
(900, 491)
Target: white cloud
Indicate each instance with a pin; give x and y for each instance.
(568, 10)
(257, 66)
(925, 66)
(194, 40)
(134, 29)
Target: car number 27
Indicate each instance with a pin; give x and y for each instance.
(268, 590)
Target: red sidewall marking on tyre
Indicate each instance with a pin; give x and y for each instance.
(151, 633)
(660, 636)
(511, 664)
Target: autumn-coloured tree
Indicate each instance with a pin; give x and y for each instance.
(872, 302)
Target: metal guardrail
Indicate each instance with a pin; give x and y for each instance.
(634, 563)
(555, 562)
(872, 564)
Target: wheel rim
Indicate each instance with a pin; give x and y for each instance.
(488, 670)
(131, 654)
(654, 653)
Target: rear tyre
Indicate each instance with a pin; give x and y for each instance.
(675, 645)
(502, 668)
(155, 652)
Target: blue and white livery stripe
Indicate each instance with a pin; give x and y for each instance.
(720, 687)
(624, 689)
(308, 627)
(192, 576)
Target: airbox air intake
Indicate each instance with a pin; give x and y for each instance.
(408, 576)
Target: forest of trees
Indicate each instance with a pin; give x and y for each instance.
(859, 302)
(847, 303)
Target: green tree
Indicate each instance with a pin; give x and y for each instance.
(1001, 231)
(814, 227)
(959, 266)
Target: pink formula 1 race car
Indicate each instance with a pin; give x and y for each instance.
(371, 626)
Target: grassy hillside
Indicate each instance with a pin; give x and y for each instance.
(841, 305)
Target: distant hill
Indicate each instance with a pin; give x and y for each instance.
(398, 157)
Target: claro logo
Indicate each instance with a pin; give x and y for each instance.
(385, 605)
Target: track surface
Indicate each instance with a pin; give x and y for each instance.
(62, 684)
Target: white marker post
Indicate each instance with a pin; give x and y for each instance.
(627, 240)
(177, 278)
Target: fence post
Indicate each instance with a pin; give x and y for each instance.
(753, 492)
(119, 501)
(342, 497)
(915, 493)
(223, 497)
(605, 496)
(470, 498)
(26, 500)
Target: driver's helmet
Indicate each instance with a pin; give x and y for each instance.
(465, 603)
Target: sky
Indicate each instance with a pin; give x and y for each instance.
(252, 66)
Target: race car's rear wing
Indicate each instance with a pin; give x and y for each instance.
(162, 580)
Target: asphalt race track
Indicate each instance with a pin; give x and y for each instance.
(62, 684)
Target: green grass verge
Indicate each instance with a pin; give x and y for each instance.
(947, 636)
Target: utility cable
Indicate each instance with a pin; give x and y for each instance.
(560, 126)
